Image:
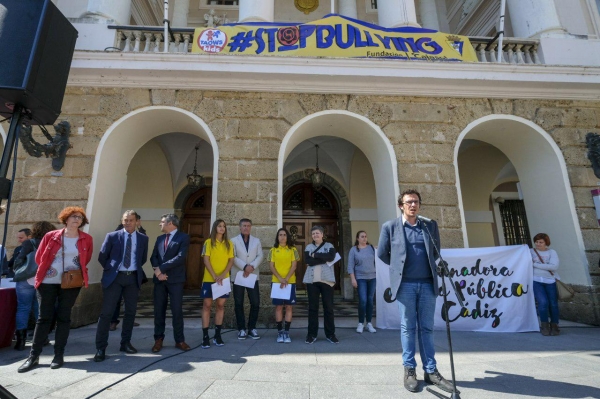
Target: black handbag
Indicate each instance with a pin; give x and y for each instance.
(29, 268)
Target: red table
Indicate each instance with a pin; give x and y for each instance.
(8, 311)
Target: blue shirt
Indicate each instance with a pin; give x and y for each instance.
(416, 265)
(132, 265)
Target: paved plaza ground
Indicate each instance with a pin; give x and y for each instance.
(525, 365)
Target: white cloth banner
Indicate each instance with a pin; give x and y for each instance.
(497, 285)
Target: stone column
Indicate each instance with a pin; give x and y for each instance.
(347, 8)
(109, 11)
(397, 13)
(537, 18)
(429, 14)
(257, 10)
(181, 9)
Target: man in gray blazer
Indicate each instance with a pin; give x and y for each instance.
(248, 257)
(406, 245)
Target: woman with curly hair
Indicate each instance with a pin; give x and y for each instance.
(60, 251)
(26, 299)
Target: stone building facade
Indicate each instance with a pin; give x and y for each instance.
(248, 129)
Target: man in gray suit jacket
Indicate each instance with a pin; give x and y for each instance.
(248, 257)
(406, 245)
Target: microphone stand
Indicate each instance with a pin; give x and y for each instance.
(442, 268)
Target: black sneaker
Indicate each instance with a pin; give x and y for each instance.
(310, 339)
(217, 340)
(333, 339)
(205, 343)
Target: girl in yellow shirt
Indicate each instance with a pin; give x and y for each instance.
(218, 259)
(283, 259)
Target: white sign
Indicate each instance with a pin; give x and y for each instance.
(497, 286)
(281, 293)
(220, 290)
(249, 281)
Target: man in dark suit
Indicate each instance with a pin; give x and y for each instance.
(122, 256)
(168, 260)
(406, 244)
(114, 322)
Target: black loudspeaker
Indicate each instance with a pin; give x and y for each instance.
(36, 46)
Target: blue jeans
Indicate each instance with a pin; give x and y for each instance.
(26, 300)
(546, 297)
(366, 292)
(416, 302)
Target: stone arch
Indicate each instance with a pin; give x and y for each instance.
(361, 132)
(114, 154)
(544, 181)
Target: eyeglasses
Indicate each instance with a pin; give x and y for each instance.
(78, 217)
(411, 202)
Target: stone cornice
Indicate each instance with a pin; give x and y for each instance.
(333, 76)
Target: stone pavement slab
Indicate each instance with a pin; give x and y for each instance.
(489, 365)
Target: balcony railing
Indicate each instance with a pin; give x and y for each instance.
(514, 51)
(144, 39)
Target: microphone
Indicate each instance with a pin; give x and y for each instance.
(423, 218)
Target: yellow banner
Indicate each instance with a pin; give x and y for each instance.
(333, 36)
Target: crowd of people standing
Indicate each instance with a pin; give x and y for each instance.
(51, 266)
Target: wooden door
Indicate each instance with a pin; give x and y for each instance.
(304, 208)
(196, 223)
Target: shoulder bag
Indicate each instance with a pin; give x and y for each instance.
(70, 278)
(29, 268)
(564, 291)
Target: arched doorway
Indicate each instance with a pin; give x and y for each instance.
(196, 222)
(122, 141)
(544, 186)
(303, 208)
(362, 133)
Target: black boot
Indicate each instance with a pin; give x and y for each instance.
(21, 338)
(29, 364)
(58, 361)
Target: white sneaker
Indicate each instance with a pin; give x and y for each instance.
(286, 337)
(280, 338)
(360, 328)
(242, 334)
(370, 328)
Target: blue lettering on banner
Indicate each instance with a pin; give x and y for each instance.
(370, 41)
(326, 35)
(339, 36)
(259, 41)
(305, 32)
(384, 40)
(426, 41)
(271, 35)
(241, 41)
(358, 42)
(325, 41)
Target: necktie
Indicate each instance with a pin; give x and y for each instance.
(127, 260)
(167, 241)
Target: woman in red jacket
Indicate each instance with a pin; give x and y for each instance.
(60, 250)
